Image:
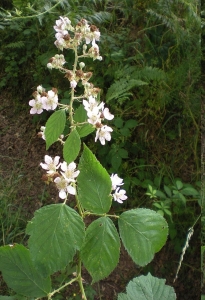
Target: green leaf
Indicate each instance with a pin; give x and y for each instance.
(160, 194)
(189, 191)
(116, 161)
(80, 116)
(101, 250)
(179, 184)
(56, 232)
(20, 274)
(168, 191)
(131, 123)
(94, 184)
(125, 131)
(54, 127)
(182, 198)
(148, 288)
(71, 147)
(143, 233)
(123, 153)
(118, 122)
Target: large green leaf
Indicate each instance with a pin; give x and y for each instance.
(94, 184)
(143, 233)
(80, 116)
(20, 274)
(54, 127)
(101, 249)
(148, 288)
(56, 232)
(71, 147)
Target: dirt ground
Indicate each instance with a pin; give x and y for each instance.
(21, 152)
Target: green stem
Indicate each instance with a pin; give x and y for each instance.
(87, 213)
(36, 15)
(80, 279)
(72, 92)
(50, 295)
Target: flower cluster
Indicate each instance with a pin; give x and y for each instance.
(118, 195)
(69, 37)
(56, 62)
(65, 181)
(43, 100)
(97, 112)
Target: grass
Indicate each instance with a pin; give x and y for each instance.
(12, 222)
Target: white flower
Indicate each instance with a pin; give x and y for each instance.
(69, 172)
(107, 115)
(91, 104)
(37, 105)
(63, 187)
(62, 24)
(94, 116)
(51, 101)
(116, 181)
(119, 195)
(103, 134)
(51, 165)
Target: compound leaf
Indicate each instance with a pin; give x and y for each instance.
(94, 184)
(148, 288)
(54, 127)
(101, 249)
(56, 232)
(20, 274)
(71, 147)
(143, 233)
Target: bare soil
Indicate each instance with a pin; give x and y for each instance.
(21, 153)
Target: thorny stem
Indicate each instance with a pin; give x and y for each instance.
(79, 279)
(72, 92)
(50, 295)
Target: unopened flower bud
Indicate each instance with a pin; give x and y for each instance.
(50, 66)
(73, 84)
(40, 89)
(82, 65)
(84, 47)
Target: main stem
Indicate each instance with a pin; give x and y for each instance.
(73, 91)
(79, 277)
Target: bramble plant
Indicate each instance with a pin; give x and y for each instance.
(58, 234)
